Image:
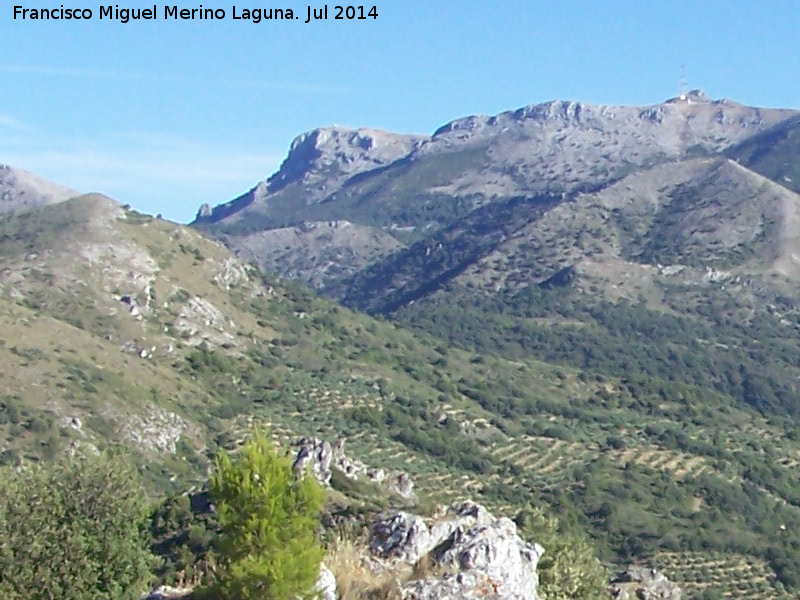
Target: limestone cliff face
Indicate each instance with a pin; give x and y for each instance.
(319, 162)
(537, 147)
(325, 157)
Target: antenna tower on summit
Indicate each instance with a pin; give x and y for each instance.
(683, 95)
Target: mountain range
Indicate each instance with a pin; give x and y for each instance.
(592, 308)
(345, 199)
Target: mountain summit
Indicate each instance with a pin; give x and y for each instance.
(20, 189)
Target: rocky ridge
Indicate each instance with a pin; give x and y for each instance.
(527, 149)
(396, 190)
(321, 161)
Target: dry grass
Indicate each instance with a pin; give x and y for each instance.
(428, 567)
(356, 579)
(360, 578)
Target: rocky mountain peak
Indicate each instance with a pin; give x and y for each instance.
(20, 189)
(696, 96)
(340, 151)
(319, 162)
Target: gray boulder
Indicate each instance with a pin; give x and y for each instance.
(471, 585)
(477, 555)
(402, 537)
(495, 551)
(643, 583)
(314, 455)
(326, 584)
(166, 592)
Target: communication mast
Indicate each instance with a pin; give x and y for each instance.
(683, 94)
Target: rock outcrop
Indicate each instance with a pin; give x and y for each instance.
(319, 163)
(167, 592)
(327, 155)
(472, 554)
(643, 583)
(321, 457)
(326, 584)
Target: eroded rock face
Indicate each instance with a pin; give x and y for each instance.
(315, 455)
(472, 585)
(643, 583)
(401, 536)
(493, 549)
(321, 457)
(480, 555)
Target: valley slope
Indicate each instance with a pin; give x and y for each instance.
(120, 329)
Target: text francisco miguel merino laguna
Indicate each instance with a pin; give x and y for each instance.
(255, 15)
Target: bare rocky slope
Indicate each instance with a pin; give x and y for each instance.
(775, 153)
(20, 189)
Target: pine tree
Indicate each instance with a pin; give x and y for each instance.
(267, 548)
(569, 569)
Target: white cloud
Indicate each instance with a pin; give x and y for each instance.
(9, 122)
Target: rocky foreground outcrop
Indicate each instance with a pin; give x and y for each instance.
(470, 553)
(467, 552)
(459, 552)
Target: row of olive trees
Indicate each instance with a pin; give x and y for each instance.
(77, 530)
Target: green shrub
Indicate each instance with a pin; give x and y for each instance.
(267, 547)
(569, 568)
(73, 531)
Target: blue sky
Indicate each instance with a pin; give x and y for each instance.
(168, 115)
